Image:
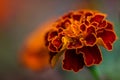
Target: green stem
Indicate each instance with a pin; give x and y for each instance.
(94, 72)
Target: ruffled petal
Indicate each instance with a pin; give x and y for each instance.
(90, 40)
(90, 29)
(68, 33)
(60, 30)
(102, 24)
(73, 61)
(91, 55)
(76, 17)
(97, 18)
(87, 22)
(52, 35)
(88, 13)
(67, 15)
(57, 42)
(94, 24)
(82, 27)
(65, 23)
(46, 39)
(109, 26)
(74, 43)
(107, 37)
(52, 48)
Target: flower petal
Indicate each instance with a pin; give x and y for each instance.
(102, 24)
(52, 48)
(60, 30)
(76, 17)
(88, 13)
(90, 29)
(87, 22)
(97, 18)
(90, 40)
(109, 26)
(91, 55)
(94, 24)
(65, 23)
(82, 27)
(74, 43)
(52, 35)
(46, 39)
(67, 15)
(57, 42)
(108, 38)
(73, 61)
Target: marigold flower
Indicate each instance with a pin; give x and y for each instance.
(78, 35)
(34, 54)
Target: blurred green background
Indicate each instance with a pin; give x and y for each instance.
(18, 18)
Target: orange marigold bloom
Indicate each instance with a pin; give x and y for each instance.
(34, 54)
(78, 34)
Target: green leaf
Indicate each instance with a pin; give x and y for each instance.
(56, 58)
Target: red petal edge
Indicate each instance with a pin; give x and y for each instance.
(97, 18)
(102, 24)
(109, 26)
(90, 40)
(76, 17)
(46, 39)
(74, 43)
(91, 55)
(90, 29)
(83, 27)
(52, 48)
(73, 61)
(52, 35)
(57, 42)
(108, 37)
